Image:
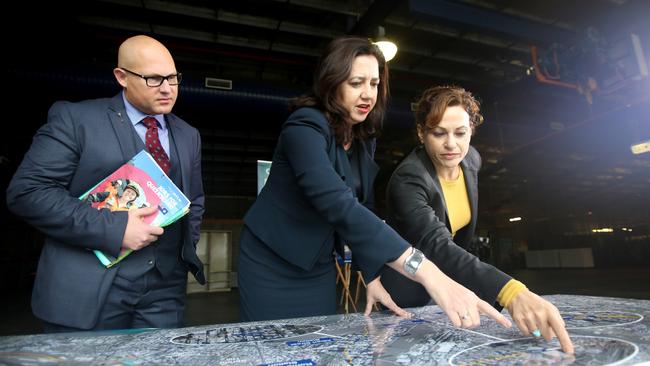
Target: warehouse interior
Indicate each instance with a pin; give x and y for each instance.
(564, 88)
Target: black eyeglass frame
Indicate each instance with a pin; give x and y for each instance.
(178, 76)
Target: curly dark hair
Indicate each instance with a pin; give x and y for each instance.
(333, 69)
(434, 101)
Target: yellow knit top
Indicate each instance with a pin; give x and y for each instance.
(460, 214)
(458, 210)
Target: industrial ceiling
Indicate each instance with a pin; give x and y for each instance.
(562, 84)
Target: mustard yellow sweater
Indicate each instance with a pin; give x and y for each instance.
(460, 214)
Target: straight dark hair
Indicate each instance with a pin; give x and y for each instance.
(334, 69)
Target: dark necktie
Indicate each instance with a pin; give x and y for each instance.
(153, 144)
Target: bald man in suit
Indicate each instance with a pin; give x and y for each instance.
(81, 144)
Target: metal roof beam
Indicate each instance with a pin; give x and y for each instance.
(524, 29)
(373, 17)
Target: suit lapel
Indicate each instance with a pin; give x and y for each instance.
(123, 128)
(183, 155)
(464, 235)
(471, 185)
(337, 156)
(472, 194)
(428, 165)
(368, 170)
(342, 166)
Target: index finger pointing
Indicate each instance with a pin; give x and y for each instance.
(561, 333)
(488, 310)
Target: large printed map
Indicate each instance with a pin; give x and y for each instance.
(605, 331)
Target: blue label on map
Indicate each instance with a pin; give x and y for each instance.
(413, 321)
(305, 362)
(308, 342)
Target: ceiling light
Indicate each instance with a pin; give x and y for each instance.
(603, 230)
(641, 147)
(388, 48)
(513, 219)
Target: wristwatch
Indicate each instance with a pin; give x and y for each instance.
(413, 262)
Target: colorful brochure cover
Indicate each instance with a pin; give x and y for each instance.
(137, 184)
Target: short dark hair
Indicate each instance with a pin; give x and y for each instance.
(434, 101)
(333, 69)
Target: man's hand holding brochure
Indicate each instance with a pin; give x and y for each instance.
(140, 186)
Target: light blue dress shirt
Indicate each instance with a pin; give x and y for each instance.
(136, 118)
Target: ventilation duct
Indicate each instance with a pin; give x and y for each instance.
(215, 83)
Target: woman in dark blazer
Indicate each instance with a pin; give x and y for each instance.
(432, 200)
(317, 196)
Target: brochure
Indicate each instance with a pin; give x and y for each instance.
(137, 184)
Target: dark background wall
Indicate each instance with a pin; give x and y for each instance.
(551, 156)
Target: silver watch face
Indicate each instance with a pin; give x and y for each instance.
(413, 262)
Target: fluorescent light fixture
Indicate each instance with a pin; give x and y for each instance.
(641, 147)
(388, 48)
(512, 219)
(603, 230)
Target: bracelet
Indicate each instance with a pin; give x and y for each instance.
(413, 261)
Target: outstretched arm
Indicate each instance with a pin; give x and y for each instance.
(413, 204)
(461, 305)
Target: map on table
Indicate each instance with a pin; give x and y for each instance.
(605, 331)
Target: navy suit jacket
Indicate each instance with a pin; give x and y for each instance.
(81, 144)
(417, 210)
(306, 203)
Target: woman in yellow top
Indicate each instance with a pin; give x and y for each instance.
(432, 199)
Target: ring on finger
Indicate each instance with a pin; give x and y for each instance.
(536, 333)
(466, 316)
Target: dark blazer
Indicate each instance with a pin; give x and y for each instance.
(81, 144)
(306, 202)
(417, 210)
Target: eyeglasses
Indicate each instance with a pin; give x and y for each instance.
(157, 80)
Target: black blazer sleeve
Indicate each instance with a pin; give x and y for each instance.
(415, 207)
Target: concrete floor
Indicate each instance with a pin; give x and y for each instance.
(222, 307)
